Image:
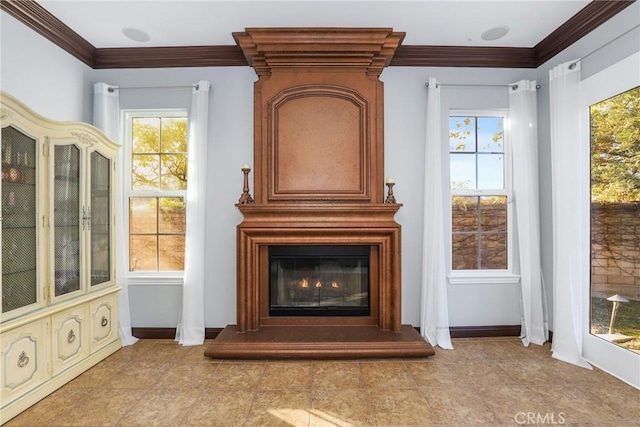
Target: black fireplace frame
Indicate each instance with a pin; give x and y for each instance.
(361, 252)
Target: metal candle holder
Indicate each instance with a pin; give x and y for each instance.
(390, 197)
(245, 198)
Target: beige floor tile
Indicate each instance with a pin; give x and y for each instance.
(531, 371)
(330, 375)
(386, 374)
(187, 375)
(400, 407)
(433, 374)
(138, 375)
(220, 408)
(236, 376)
(131, 352)
(55, 406)
(100, 407)
(458, 405)
(160, 408)
(576, 404)
(511, 404)
(165, 351)
(275, 408)
(196, 354)
(157, 382)
(286, 376)
(622, 398)
(340, 408)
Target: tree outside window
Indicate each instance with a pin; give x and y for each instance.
(157, 211)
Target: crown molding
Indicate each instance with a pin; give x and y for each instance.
(40, 20)
(44, 23)
(464, 56)
(164, 57)
(582, 23)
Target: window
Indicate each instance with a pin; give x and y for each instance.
(479, 184)
(615, 223)
(156, 143)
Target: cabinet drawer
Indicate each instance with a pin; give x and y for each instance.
(103, 315)
(24, 361)
(70, 337)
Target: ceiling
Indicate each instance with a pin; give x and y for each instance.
(211, 22)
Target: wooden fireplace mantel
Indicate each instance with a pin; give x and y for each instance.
(319, 224)
(318, 180)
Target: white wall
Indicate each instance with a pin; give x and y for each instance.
(230, 145)
(603, 50)
(405, 111)
(46, 78)
(60, 87)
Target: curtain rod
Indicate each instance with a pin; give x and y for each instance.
(513, 86)
(573, 65)
(113, 88)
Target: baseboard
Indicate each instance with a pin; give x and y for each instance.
(485, 331)
(456, 332)
(168, 333)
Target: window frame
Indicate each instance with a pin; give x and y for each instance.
(484, 276)
(168, 278)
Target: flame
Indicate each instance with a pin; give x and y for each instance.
(335, 285)
(318, 284)
(304, 283)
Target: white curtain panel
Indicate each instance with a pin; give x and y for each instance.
(190, 330)
(106, 117)
(523, 131)
(434, 320)
(569, 282)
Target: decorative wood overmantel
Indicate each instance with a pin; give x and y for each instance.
(268, 49)
(318, 102)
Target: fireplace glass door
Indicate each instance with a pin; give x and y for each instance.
(319, 280)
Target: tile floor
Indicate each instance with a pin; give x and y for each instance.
(489, 382)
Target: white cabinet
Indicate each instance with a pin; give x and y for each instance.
(59, 296)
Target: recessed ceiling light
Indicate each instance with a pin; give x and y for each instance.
(136, 35)
(495, 33)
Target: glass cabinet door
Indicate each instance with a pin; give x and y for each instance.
(100, 229)
(66, 218)
(19, 232)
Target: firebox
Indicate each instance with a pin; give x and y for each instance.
(319, 280)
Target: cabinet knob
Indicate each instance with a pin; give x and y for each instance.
(104, 322)
(23, 360)
(71, 337)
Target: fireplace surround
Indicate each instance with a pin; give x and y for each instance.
(319, 183)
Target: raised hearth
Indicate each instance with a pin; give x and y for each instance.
(319, 342)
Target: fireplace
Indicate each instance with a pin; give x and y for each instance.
(319, 280)
(318, 249)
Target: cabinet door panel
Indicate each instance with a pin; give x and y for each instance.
(70, 338)
(19, 232)
(104, 321)
(100, 230)
(66, 219)
(23, 359)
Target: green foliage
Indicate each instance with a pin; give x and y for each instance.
(159, 153)
(615, 149)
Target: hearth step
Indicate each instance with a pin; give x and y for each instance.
(318, 342)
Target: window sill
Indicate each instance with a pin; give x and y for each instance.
(167, 279)
(473, 278)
